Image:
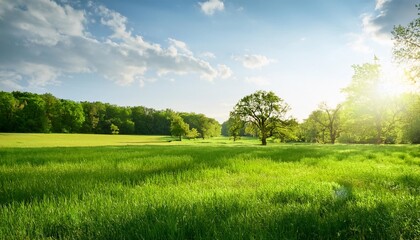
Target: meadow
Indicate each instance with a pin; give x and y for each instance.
(56, 186)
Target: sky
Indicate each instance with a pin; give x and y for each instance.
(198, 56)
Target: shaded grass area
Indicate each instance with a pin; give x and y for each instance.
(208, 191)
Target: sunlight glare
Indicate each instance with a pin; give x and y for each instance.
(394, 82)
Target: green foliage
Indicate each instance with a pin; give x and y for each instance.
(323, 125)
(210, 192)
(149, 121)
(193, 134)
(206, 127)
(287, 131)
(263, 110)
(311, 132)
(8, 108)
(411, 118)
(29, 112)
(407, 47)
(370, 116)
(30, 115)
(178, 127)
(71, 116)
(94, 115)
(127, 127)
(234, 127)
(114, 129)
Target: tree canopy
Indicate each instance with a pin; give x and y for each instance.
(178, 127)
(324, 124)
(407, 46)
(264, 111)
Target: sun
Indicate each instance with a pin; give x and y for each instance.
(393, 82)
(391, 88)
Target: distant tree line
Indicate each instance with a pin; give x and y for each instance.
(43, 113)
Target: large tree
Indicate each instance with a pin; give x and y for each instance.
(407, 46)
(328, 120)
(178, 127)
(371, 115)
(264, 110)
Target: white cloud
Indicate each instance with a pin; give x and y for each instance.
(380, 4)
(180, 46)
(208, 55)
(211, 6)
(376, 26)
(46, 23)
(224, 71)
(143, 80)
(253, 61)
(388, 13)
(41, 75)
(259, 81)
(43, 40)
(10, 80)
(115, 21)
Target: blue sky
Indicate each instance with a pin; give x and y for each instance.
(198, 56)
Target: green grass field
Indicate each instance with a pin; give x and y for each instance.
(136, 187)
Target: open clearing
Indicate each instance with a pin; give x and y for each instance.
(97, 188)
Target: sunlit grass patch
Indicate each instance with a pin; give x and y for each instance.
(76, 140)
(210, 191)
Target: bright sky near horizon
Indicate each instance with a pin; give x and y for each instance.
(198, 56)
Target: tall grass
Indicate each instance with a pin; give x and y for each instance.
(209, 191)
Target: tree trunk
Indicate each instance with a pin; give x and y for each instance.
(180, 137)
(264, 140)
(332, 137)
(263, 134)
(379, 139)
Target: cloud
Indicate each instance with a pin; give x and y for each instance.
(380, 4)
(224, 71)
(43, 40)
(377, 24)
(259, 81)
(388, 13)
(253, 61)
(211, 6)
(179, 46)
(10, 80)
(208, 55)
